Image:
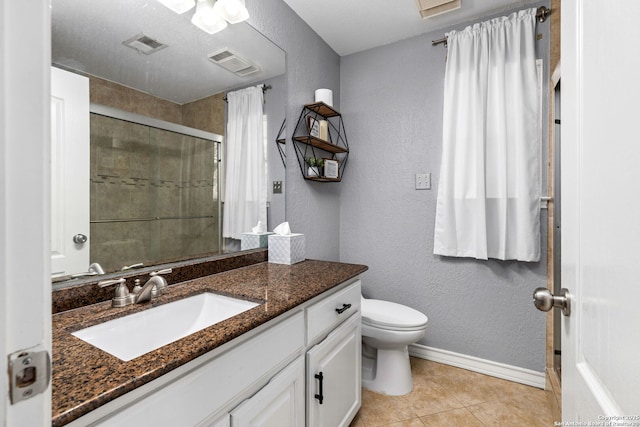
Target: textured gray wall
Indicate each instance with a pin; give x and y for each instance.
(391, 101)
(311, 208)
(275, 109)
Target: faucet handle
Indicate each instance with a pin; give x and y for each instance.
(129, 267)
(156, 273)
(122, 296)
(110, 282)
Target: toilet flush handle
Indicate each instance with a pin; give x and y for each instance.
(344, 308)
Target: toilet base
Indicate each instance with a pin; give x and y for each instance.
(389, 373)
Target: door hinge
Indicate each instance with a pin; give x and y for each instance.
(29, 372)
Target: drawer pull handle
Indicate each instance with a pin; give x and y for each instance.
(344, 308)
(320, 378)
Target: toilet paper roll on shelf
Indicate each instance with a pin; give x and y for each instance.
(325, 95)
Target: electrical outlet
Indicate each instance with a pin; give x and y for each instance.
(277, 187)
(423, 181)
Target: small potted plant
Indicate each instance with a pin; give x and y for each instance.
(316, 166)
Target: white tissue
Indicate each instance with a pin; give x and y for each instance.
(283, 229)
(260, 228)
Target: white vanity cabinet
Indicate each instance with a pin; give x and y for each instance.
(333, 364)
(205, 390)
(267, 377)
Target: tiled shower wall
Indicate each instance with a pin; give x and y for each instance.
(154, 194)
(134, 180)
(205, 114)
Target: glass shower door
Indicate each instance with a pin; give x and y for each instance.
(154, 194)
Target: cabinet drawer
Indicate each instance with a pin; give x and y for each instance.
(328, 313)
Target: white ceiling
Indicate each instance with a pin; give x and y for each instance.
(87, 37)
(350, 26)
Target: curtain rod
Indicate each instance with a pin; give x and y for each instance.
(542, 13)
(264, 89)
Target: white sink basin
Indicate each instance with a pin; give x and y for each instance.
(136, 334)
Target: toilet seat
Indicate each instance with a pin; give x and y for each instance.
(391, 316)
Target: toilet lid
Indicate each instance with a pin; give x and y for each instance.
(389, 314)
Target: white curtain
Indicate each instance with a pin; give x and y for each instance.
(489, 192)
(245, 199)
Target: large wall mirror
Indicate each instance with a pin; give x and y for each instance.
(155, 155)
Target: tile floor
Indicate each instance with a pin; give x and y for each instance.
(447, 396)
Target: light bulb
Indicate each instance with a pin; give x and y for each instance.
(233, 11)
(207, 19)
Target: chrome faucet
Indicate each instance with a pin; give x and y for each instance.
(152, 288)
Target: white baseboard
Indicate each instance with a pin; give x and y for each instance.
(483, 366)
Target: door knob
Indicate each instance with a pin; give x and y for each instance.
(80, 239)
(544, 300)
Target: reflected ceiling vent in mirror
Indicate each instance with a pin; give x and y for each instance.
(232, 62)
(431, 8)
(144, 44)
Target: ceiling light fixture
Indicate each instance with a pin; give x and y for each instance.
(179, 6)
(207, 18)
(211, 15)
(233, 11)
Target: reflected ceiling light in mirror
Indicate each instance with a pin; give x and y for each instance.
(207, 18)
(179, 6)
(233, 11)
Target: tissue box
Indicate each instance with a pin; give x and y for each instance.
(286, 249)
(254, 240)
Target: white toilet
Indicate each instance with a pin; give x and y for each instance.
(387, 330)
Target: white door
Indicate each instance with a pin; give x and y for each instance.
(601, 209)
(69, 172)
(25, 282)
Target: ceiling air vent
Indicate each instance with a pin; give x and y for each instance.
(232, 62)
(431, 8)
(144, 44)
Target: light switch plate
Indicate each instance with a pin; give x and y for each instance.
(423, 181)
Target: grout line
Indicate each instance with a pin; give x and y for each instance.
(433, 377)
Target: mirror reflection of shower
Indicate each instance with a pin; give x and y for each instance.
(154, 190)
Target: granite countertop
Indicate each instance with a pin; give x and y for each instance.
(85, 377)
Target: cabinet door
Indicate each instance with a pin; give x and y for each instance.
(278, 404)
(333, 377)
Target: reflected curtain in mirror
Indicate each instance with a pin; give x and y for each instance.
(489, 193)
(245, 198)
